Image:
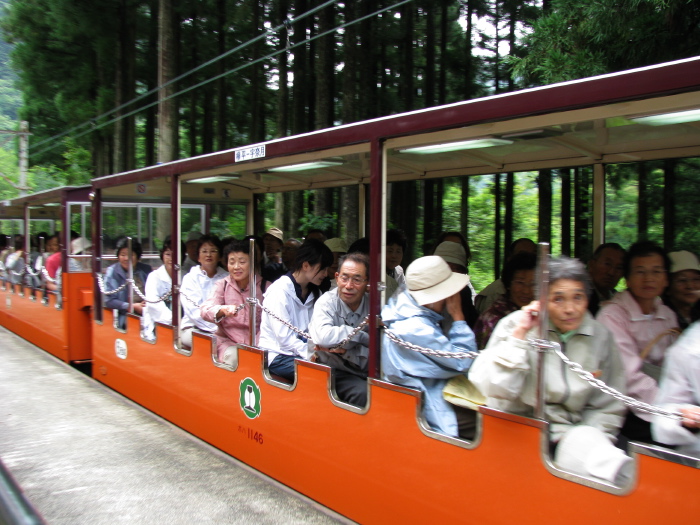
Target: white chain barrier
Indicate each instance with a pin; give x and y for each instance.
(469, 354)
(591, 379)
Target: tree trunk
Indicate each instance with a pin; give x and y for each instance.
(544, 226)
(283, 68)
(405, 67)
(464, 208)
(124, 85)
(257, 83)
(497, 225)
(429, 77)
(325, 72)
(167, 115)
(442, 83)
(565, 175)
(220, 85)
(300, 87)
(350, 58)
(642, 209)
(670, 204)
(509, 223)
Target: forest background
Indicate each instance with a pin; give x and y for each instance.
(85, 75)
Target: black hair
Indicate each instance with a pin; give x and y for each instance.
(512, 246)
(241, 247)
(462, 241)
(19, 242)
(313, 252)
(211, 239)
(356, 257)
(259, 243)
(361, 245)
(520, 261)
(605, 246)
(123, 242)
(395, 236)
(645, 249)
(571, 269)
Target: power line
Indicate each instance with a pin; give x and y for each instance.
(217, 77)
(190, 72)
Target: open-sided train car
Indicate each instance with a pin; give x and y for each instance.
(57, 321)
(382, 463)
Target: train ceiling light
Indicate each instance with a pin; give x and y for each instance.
(215, 178)
(662, 119)
(484, 142)
(304, 166)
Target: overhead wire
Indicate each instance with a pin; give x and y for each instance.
(217, 77)
(250, 42)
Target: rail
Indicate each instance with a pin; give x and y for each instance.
(15, 508)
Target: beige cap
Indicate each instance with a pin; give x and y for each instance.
(276, 233)
(683, 260)
(429, 280)
(452, 252)
(79, 245)
(336, 244)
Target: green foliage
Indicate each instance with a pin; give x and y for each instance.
(322, 222)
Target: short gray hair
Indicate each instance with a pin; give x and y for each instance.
(568, 268)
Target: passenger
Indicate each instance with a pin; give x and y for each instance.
(158, 284)
(338, 248)
(583, 420)
(316, 233)
(14, 263)
(396, 246)
(222, 307)
(679, 390)
(198, 285)
(453, 236)
(336, 314)
(643, 329)
(684, 291)
(289, 252)
(292, 298)
(79, 246)
(493, 291)
(273, 268)
(51, 246)
(606, 268)
(117, 275)
(519, 281)
(361, 245)
(456, 257)
(191, 245)
(414, 314)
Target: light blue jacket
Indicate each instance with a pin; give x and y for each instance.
(421, 326)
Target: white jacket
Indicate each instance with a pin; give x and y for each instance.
(679, 387)
(281, 298)
(197, 286)
(158, 284)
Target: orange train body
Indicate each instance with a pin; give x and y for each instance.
(375, 467)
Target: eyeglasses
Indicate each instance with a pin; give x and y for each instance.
(345, 279)
(209, 252)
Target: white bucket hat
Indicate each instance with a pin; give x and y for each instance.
(429, 279)
(336, 244)
(79, 245)
(276, 233)
(683, 260)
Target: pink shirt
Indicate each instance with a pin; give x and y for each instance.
(231, 330)
(632, 331)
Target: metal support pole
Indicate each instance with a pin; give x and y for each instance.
(543, 295)
(130, 285)
(252, 286)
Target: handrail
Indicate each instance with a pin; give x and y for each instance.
(15, 508)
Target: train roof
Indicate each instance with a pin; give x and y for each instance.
(567, 124)
(47, 203)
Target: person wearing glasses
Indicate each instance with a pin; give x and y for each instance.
(198, 285)
(519, 281)
(336, 314)
(643, 328)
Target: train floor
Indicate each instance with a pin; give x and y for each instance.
(82, 453)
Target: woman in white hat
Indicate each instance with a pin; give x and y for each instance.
(414, 314)
(583, 420)
(684, 289)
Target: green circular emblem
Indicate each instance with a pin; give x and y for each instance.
(250, 398)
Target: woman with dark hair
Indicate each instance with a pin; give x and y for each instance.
(158, 284)
(643, 328)
(118, 273)
(292, 298)
(583, 420)
(683, 292)
(519, 281)
(396, 247)
(198, 285)
(229, 293)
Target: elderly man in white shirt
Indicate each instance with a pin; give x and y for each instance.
(336, 314)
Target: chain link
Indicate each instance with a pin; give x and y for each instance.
(284, 322)
(470, 354)
(591, 379)
(163, 297)
(101, 284)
